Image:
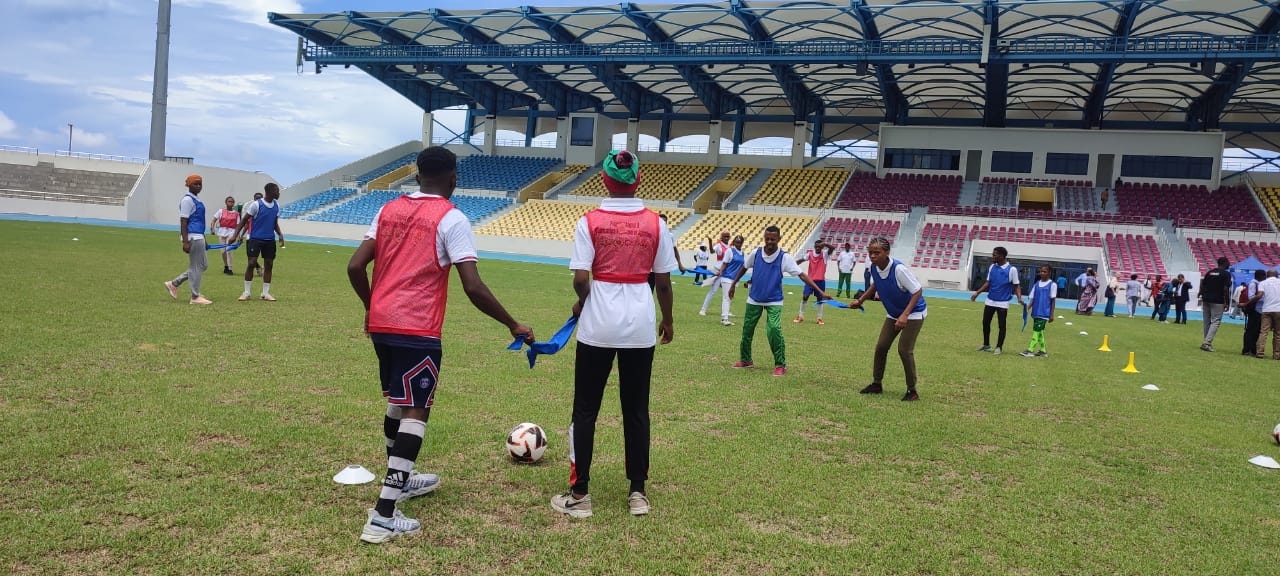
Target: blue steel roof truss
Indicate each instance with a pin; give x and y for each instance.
(617, 45)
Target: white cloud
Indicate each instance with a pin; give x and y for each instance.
(8, 129)
(252, 11)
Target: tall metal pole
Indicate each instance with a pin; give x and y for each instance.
(71, 129)
(160, 83)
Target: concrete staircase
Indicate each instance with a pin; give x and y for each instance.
(717, 174)
(749, 188)
(569, 185)
(1173, 249)
(968, 194)
(46, 182)
(904, 247)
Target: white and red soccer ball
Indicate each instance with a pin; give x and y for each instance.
(1275, 433)
(526, 442)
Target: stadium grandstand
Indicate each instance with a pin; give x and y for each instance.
(1133, 136)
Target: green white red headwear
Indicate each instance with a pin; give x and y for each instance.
(621, 172)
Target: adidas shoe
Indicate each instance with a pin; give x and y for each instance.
(417, 485)
(379, 529)
(574, 507)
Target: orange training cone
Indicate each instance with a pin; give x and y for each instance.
(1104, 347)
(1130, 369)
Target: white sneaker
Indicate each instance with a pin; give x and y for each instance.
(574, 507)
(268, 297)
(726, 322)
(173, 290)
(638, 503)
(379, 529)
(244, 297)
(702, 312)
(417, 485)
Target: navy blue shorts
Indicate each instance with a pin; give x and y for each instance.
(809, 291)
(409, 375)
(265, 247)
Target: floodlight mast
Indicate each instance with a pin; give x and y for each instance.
(160, 83)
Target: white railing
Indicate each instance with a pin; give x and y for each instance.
(20, 149)
(94, 156)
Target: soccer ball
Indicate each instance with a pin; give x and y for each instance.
(1275, 433)
(526, 442)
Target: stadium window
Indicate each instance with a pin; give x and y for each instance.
(1177, 167)
(1066, 163)
(1012, 162)
(922, 159)
(582, 131)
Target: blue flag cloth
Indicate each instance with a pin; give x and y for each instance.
(550, 346)
(838, 304)
(1024, 317)
(699, 270)
(221, 246)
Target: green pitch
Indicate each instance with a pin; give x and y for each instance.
(142, 435)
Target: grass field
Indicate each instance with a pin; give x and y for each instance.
(147, 436)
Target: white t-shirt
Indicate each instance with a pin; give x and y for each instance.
(186, 207)
(1270, 301)
(906, 281)
(701, 257)
(1013, 279)
(719, 250)
(454, 242)
(619, 315)
(846, 261)
(788, 265)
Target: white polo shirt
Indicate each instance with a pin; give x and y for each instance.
(1270, 301)
(619, 315)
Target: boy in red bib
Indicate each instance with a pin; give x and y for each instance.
(614, 249)
(414, 240)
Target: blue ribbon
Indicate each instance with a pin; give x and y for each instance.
(221, 246)
(550, 346)
(1024, 317)
(699, 270)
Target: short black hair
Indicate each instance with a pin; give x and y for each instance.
(774, 229)
(271, 186)
(1259, 275)
(436, 161)
(1001, 251)
(1223, 262)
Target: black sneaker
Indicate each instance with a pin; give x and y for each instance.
(910, 396)
(872, 388)
(227, 271)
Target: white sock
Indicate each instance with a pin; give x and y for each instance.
(266, 288)
(802, 303)
(819, 309)
(248, 285)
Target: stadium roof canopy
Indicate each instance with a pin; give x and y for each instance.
(1114, 64)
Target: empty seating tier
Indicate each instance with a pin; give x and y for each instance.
(942, 246)
(555, 220)
(1056, 215)
(1069, 195)
(1228, 207)
(385, 169)
(741, 173)
(314, 201)
(1133, 254)
(899, 192)
(671, 182)
(1270, 197)
(800, 187)
(362, 208)
(1036, 236)
(44, 182)
(1207, 251)
(501, 173)
(857, 231)
(794, 229)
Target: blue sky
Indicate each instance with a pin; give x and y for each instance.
(235, 97)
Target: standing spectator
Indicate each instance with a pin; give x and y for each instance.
(224, 225)
(817, 257)
(718, 250)
(732, 264)
(1105, 197)
(1088, 298)
(845, 263)
(905, 310)
(1215, 292)
(1238, 298)
(764, 297)
(264, 227)
(191, 226)
(413, 242)
(1267, 301)
(1133, 293)
(614, 249)
(1158, 294)
(700, 260)
(1113, 286)
(1001, 286)
(1180, 302)
(1044, 299)
(1253, 317)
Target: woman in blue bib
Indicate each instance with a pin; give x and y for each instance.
(905, 309)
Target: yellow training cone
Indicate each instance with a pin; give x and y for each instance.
(1130, 369)
(1104, 347)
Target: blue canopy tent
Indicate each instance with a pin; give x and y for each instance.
(1243, 270)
